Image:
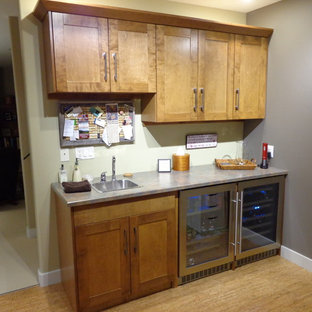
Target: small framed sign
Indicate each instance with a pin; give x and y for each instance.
(201, 141)
(164, 165)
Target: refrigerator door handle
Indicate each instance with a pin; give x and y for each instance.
(239, 223)
(235, 228)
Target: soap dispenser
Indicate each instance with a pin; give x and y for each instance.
(62, 176)
(76, 172)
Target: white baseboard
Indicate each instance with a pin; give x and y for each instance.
(31, 232)
(296, 258)
(49, 278)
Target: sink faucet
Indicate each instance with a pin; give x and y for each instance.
(113, 168)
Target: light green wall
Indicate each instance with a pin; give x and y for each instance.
(151, 143)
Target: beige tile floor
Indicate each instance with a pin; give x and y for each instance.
(18, 254)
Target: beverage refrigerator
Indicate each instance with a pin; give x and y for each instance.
(220, 226)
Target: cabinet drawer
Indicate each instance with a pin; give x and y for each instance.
(123, 208)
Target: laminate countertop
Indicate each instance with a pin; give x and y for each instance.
(152, 182)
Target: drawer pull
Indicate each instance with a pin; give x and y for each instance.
(126, 243)
(115, 65)
(237, 100)
(195, 103)
(105, 65)
(135, 248)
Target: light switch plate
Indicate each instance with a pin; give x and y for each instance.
(271, 150)
(64, 153)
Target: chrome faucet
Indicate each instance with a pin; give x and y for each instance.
(113, 168)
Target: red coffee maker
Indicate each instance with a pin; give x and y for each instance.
(264, 164)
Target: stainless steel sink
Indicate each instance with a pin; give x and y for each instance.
(116, 185)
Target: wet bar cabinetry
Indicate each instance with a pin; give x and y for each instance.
(121, 245)
(223, 226)
(114, 252)
(221, 76)
(205, 70)
(93, 54)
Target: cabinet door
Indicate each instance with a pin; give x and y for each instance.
(250, 77)
(103, 264)
(259, 216)
(176, 74)
(132, 56)
(80, 44)
(215, 72)
(153, 252)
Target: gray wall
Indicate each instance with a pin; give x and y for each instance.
(288, 124)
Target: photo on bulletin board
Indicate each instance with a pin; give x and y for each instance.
(96, 123)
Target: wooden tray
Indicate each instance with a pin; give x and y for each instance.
(235, 164)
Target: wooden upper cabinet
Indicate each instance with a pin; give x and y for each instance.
(90, 54)
(250, 77)
(78, 46)
(153, 252)
(176, 73)
(132, 56)
(103, 264)
(215, 75)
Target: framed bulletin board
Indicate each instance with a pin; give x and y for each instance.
(97, 123)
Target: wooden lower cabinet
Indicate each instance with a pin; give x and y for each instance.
(118, 251)
(153, 261)
(103, 264)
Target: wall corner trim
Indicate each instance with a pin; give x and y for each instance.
(49, 278)
(297, 258)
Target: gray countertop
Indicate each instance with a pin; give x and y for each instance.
(153, 182)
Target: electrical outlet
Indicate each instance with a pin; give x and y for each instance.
(64, 153)
(271, 150)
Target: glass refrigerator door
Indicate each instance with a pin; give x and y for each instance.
(259, 215)
(207, 224)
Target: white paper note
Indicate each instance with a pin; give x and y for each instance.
(68, 128)
(104, 137)
(113, 132)
(100, 122)
(128, 133)
(85, 152)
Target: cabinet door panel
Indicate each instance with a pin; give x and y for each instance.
(79, 44)
(132, 56)
(250, 77)
(215, 72)
(153, 252)
(103, 263)
(176, 73)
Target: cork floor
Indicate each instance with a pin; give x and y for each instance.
(270, 285)
(18, 254)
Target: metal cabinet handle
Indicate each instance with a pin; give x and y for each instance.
(195, 105)
(202, 92)
(135, 240)
(105, 65)
(115, 65)
(237, 100)
(126, 243)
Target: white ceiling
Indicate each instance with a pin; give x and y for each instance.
(243, 6)
(10, 8)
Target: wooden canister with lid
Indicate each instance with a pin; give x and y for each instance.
(181, 162)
